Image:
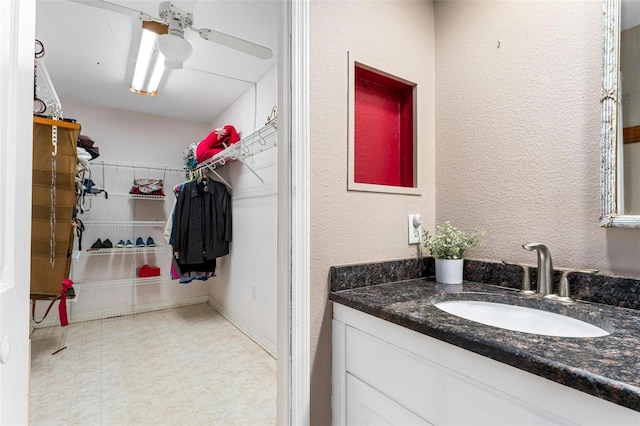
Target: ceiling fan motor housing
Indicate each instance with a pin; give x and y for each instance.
(169, 13)
(173, 45)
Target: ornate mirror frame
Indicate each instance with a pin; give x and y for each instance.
(609, 189)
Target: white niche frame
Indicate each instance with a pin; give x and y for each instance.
(384, 69)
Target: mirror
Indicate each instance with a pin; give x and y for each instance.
(620, 148)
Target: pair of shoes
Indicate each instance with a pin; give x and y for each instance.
(99, 244)
(129, 244)
(140, 242)
(122, 244)
(96, 246)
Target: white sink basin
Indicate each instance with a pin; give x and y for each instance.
(520, 318)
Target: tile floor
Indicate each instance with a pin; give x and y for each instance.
(180, 366)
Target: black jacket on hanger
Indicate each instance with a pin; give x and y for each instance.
(202, 222)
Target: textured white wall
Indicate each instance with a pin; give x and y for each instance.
(347, 226)
(518, 130)
(135, 137)
(250, 267)
(248, 112)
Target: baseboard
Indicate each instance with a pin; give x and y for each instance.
(156, 306)
(53, 319)
(251, 332)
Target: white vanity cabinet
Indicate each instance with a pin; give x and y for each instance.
(368, 406)
(387, 374)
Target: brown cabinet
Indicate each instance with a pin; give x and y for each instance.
(53, 200)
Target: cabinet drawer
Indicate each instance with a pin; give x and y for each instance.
(367, 406)
(433, 391)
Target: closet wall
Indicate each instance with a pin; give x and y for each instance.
(144, 140)
(135, 137)
(245, 287)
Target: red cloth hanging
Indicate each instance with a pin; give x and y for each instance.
(215, 142)
(62, 307)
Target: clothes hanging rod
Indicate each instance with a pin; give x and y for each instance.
(127, 282)
(138, 196)
(126, 222)
(155, 167)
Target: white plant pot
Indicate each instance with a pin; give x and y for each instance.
(449, 271)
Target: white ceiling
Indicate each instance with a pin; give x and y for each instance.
(90, 55)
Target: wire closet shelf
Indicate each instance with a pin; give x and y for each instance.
(259, 141)
(45, 91)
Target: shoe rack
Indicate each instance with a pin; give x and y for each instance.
(106, 278)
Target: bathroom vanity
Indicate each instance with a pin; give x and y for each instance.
(397, 359)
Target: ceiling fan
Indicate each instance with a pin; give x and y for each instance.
(173, 22)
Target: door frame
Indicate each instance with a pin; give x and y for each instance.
(293, 402)
(17, 32)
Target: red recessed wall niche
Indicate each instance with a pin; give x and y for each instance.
(383, 129)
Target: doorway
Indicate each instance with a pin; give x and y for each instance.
(88, 125)
(293, 303)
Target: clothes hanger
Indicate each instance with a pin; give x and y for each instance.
(219, 177)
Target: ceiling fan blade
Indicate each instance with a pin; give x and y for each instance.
(235, 43)
(102, 4)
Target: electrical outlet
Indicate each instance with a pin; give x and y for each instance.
(415, 228)
(253, 291)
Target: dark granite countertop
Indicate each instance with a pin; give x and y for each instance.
(607, 367)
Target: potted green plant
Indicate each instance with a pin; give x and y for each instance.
(448, 246)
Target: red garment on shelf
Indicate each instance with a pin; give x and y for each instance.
(215, 142)
(147, 271)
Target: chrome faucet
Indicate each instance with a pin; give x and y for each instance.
(545, 267)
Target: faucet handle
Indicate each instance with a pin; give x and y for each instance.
(532, 246)
(563, 291)
(526, 277)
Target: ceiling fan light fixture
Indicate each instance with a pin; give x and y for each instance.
(174, 47)
(149, 65)
(170, 65)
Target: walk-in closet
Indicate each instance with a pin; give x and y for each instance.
(154, 227)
